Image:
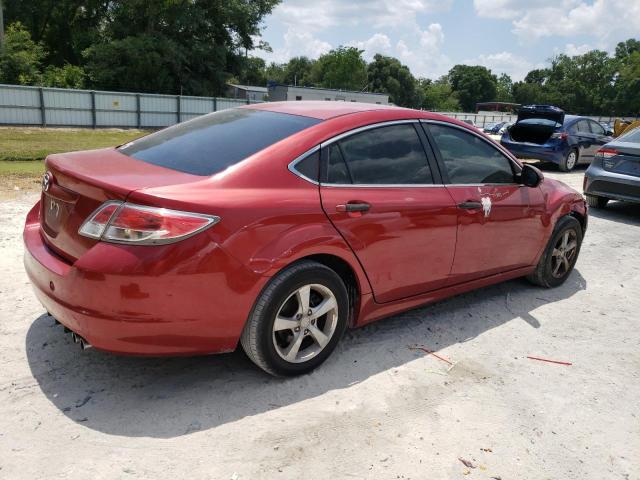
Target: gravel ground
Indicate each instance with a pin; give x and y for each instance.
(375, 410)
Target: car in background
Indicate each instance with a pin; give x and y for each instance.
(493, 128)
(608, 127)
(544, 132)
(614, 174)
(468, 121)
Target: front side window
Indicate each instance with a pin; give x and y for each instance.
(468, 159)
(597, 128)
(209, 144)
(388, 155)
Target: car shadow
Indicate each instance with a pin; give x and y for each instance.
(170, 397)
(621, 212)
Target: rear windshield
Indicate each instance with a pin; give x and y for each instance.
(632, 137)
(211, 143)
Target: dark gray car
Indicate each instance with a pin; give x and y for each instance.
(614, 173)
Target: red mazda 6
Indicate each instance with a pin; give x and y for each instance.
(280, 225)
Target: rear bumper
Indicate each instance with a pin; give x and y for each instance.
(616, 186)
(141, 300)
(545, 153)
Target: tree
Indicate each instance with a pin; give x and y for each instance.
(342, 68)
(297, 71)
(253, 72)
(438, 95)
(21, 57)
(472, 84)
(504, 88)
(208, 39)
(144, 63)
(69, 76)
(388, 75)
(627, 86)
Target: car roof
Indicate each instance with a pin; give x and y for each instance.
(322, 110)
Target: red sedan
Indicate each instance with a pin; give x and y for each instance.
(280, 225)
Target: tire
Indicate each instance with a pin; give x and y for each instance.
(570, 160)
(597, 202)
(547, 273)
(270, 344)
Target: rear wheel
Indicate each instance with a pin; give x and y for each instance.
(569, 162)
(297, 320)
(560, 256)
(597, 202)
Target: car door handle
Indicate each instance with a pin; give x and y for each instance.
(469, 205)
(353, 207)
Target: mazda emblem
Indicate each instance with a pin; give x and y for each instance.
(46, 181)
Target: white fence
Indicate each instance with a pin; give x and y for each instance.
(59, 107)
(482, 119)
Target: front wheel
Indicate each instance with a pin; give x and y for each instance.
(297, 320)
(560, 256)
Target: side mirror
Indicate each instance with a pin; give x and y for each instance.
(530, 176)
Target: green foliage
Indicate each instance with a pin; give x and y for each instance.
(342, 68)
(165, 46)
(627, 86)
(472, 84)
(504, 88)
(69, 76)
(439, 96)
(21, 57)
(388, 75)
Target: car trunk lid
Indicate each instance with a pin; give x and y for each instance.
(77, 183)
(536, 124)
(622, 157)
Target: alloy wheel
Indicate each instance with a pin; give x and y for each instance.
(305, 323)
(571, 160)
(564, 253)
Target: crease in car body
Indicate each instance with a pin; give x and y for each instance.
(399, 212)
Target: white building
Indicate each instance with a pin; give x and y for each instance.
(278, 93)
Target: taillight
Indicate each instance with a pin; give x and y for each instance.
(120, 222)
(606, 153)
(560, 135)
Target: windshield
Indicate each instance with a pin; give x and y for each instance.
(209, 144)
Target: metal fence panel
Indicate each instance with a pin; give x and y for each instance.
(59, 107)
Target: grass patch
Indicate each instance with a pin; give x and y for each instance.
(29, 144)
(21, 168)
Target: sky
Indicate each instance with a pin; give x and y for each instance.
(430, 36)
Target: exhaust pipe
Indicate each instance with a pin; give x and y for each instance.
(84, 345)
(75, 338)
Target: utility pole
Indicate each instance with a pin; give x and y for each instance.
(1, 26)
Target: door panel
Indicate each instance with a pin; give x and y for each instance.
(405, 241)
(378, 190)
(504, 234)
(499, 221)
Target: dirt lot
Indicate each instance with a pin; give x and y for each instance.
(375, 410)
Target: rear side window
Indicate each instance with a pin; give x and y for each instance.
(209, 144)
(309, 166)
(391, 155)
(468, 159)
(583, 126)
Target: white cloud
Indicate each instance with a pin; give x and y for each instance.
(607, 21)
(324, 14)
(505, 62)
(427, 60)
(378, 43)
(297, 43)
(573, 50)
